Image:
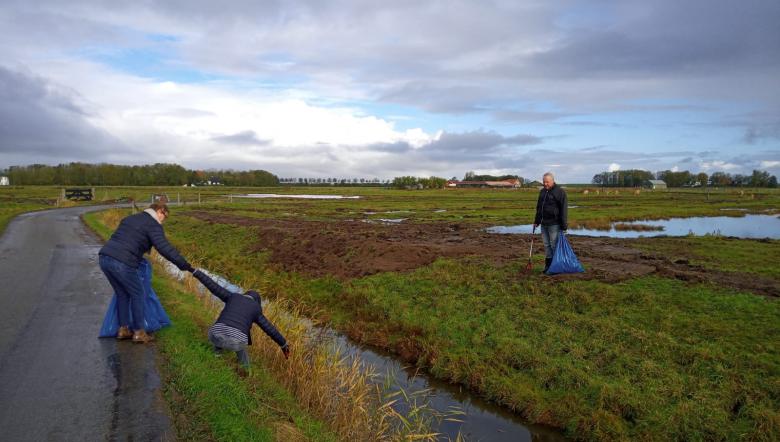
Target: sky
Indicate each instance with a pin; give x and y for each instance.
(351, 88)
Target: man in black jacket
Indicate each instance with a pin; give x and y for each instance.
(232, 330)
(122, 254)
(552, 213)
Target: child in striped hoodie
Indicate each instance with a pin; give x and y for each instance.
(231, 331)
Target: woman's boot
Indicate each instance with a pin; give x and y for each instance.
(124, 333)
(141, 337)
(547, 262)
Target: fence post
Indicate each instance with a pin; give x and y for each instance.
(178, 198)
(198, 199)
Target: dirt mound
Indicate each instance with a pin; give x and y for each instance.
(356, 248)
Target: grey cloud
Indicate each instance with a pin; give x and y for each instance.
(460, 57)
(435, 97)
(393, 148)
(529, 116)
(755, 133)
(41, 120)
(246, 138)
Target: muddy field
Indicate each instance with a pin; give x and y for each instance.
(356, 248)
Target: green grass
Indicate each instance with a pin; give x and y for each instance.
(727, 254)
(649, 358)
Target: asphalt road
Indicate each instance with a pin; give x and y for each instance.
(58, 381)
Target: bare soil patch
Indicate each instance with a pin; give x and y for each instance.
(355, 248)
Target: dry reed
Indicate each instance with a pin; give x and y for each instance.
(339, 389)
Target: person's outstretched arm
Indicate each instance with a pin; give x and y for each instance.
(168, 251)
(218, 291)
(272, 332)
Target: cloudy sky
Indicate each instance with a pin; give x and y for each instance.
(381, 89)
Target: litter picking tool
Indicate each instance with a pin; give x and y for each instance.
(530, 265)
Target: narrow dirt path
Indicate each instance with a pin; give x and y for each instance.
(58, 381)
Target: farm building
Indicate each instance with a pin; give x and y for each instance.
(504, 184)
(4, 181)
(655, 184)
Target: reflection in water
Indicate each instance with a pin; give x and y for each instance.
(298, 196)
(482, 420)
(748, 226)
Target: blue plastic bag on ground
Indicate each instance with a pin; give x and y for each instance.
(155, 316)
(564, 259)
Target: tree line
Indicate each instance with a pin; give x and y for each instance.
(636, 177)
(159, 174)
(366, 182)
(412, 182)
(472, 176)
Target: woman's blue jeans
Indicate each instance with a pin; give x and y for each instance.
(128, 288)
(550, 238)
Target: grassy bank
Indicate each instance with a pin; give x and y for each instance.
(315, 395)
(647, 358)
(212, 398)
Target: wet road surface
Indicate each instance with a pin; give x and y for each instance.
(58, 381)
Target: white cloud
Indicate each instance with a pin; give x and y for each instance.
(614, 167)
(769, 164)
(718, 165)
(185, 122)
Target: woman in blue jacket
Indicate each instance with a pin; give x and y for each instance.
(232, 329)
(122, 254)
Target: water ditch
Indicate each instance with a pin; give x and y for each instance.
(747, 226)
(480, 419)
(296, 196)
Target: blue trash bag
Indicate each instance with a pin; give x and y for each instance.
(155, 317)
(564, 259)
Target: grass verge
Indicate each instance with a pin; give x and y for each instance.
(316, 381)
(211, 397)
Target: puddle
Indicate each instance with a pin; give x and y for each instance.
(385, 220)
(440, 211)
(481, 420)
(733, 209)
(298, 196)
(748, 226)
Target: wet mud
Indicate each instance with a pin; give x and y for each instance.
(356, 248)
